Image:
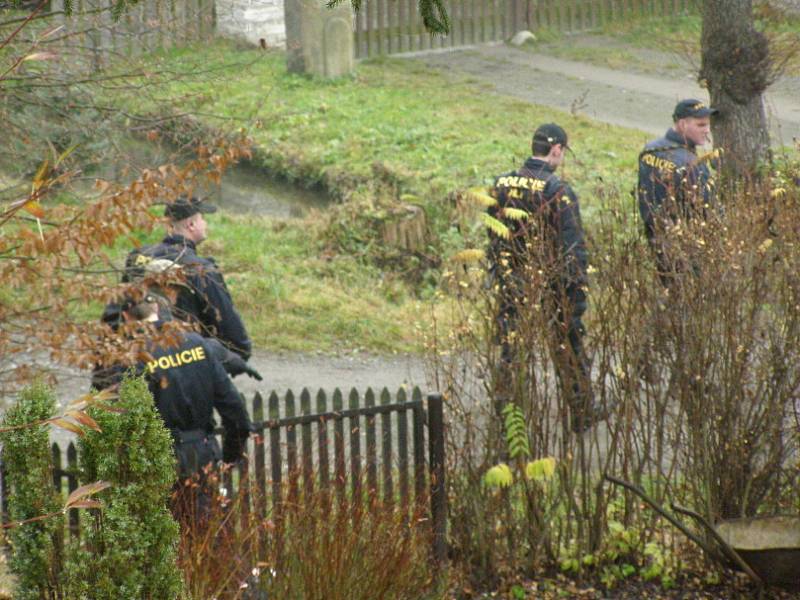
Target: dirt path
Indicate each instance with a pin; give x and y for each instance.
(639, 100)
(284, 372)
(294, 372)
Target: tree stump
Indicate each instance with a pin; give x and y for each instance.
(404, 227)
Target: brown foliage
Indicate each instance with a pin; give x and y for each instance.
(60, 260)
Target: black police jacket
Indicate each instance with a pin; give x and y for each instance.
(233, 363)
(670, 171)
(553, 217)
(207, 300)
(188, 383)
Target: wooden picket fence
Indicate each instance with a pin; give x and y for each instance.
(91, 33)
(381, 26)
(395, 26)
(345, 443)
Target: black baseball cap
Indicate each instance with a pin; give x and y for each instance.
(552, 134)
(184, 207)
(132, 299)
(692, 108)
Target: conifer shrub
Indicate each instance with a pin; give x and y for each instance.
(36, 557)
(129, 548)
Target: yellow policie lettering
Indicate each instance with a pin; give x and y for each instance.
(178, 359)
(511, 181)
(662, 164)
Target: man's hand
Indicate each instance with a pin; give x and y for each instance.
(235, 365)
(251, 372)
(234, 445)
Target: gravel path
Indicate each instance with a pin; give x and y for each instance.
(638, 100)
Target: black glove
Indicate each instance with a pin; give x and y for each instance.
(250, 371)
(235, 365)
(234, 445)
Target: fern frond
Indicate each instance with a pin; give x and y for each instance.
(516, 431)
(480, 197)
(541, 470)
(516, 214)
(468, 256)
(496, 227)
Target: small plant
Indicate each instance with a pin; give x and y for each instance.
(323, 549)
(220, 555)
(130, 549)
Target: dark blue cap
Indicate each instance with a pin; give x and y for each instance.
(183, 208)
(692, 108)
(552, 134)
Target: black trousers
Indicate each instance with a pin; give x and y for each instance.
(197, 454)
(565, 306)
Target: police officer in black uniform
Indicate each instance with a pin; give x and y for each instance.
(206, 299)
(187, 383)
(673, 183)
(542, 215)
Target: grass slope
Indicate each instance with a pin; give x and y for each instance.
(432, 133)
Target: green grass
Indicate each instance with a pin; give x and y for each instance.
(431, 133)
(675, 37)
(295, 299)
(435, 134)
(291, 298)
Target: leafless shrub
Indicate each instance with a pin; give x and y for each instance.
(701, 379)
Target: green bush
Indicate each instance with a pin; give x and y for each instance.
(36, 558)
(130, 547)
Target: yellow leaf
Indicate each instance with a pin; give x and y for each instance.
(516, 214)
(33, 207)
(499, 476)
(84, 419)
(41, 56)
(68, 425)
(496, 227)
(480, 197)
(86, 490)
(87, 504)
(41, 174)
(470, 255)
(65, 154)
(541, 470)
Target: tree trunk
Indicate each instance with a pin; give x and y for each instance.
(736, 67)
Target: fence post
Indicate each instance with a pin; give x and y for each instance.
(72, 485)
(3, 491)
(438, 489)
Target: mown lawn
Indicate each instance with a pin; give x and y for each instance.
(626, 43)
(432, 134)
(435, 133)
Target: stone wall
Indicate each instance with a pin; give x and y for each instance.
(252, 20)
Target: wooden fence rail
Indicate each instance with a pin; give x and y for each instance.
(395, 26)
(366, 441)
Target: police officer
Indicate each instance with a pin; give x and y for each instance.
(187, 383)
(206, 299)
(542, 215)
(673, 183)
